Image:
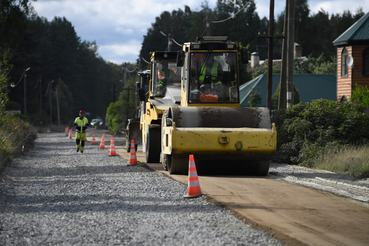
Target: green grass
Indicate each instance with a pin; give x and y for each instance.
(352, 161)
(14, 133)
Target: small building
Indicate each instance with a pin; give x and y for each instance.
(306, 84)
(353, 58)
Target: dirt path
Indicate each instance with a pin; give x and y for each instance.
(294, 214)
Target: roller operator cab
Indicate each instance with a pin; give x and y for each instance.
(163, 92)
(205, 118)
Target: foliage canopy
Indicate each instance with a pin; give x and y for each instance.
(307, 129)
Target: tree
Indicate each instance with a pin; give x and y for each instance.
(360, 96)
(245, 22)
(341, 22)
(3, 84)
(255, 97)
(175, 24)
(200, 22)
(124, 108)
(275, 97)
(319, 65)
(55, 53)
(302, 12)
(13, 18)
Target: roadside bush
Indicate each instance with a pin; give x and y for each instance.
(360, 95)
(255, 97)
(116, 118)
(275, 97)
(14, 133)
(306, 129)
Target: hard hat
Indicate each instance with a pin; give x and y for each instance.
(81, 111)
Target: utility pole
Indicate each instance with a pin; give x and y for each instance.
(57, 102)
(40, 100)
(127, 105)
(283, 80)
(270, 40)
(50, 101)
(169, 42)
(25, 94)
(270, 56)
(125, 83)
(124, 74)
(290, 53)
(114, 92)
(127, 102)
(25, 91)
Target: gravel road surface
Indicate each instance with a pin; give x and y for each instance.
(55, 196)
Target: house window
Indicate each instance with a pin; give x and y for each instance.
(344, 67)
(366, 62)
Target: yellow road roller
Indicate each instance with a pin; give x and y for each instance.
(203, 115)
(164, 91)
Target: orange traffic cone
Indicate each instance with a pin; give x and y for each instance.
(70, 133)
(132, 156)
(112, 147)
(193, 180)
(93, 139)
(66, 131)
(102, 143)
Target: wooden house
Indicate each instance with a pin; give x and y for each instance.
(352, 58)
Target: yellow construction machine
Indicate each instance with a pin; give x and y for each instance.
(133, 131)
(203, 116)
(164, 92)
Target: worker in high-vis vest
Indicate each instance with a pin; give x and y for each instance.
(81, 124)
(166, 76)
(208, 70)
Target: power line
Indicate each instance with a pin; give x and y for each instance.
(145, 60)
(176, 42)
(19, 79)
(232, 16)
(172, 39)
(130, 71)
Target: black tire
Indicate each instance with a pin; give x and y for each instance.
(128, 145)
(177, 165)
(262, 168)
(153, 144)
(164, 161)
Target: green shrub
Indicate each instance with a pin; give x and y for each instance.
(275, 97)
(116, 116)
(14, 133)
(305, 129)
(255, 97)
(360, 95)
(312, 152)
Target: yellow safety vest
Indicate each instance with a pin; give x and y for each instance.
(81, 122)
(214, 72)
(161, 76)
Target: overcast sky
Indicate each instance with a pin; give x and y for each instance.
(118, 26)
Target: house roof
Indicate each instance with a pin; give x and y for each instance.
(358, 33)
(310, 87)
